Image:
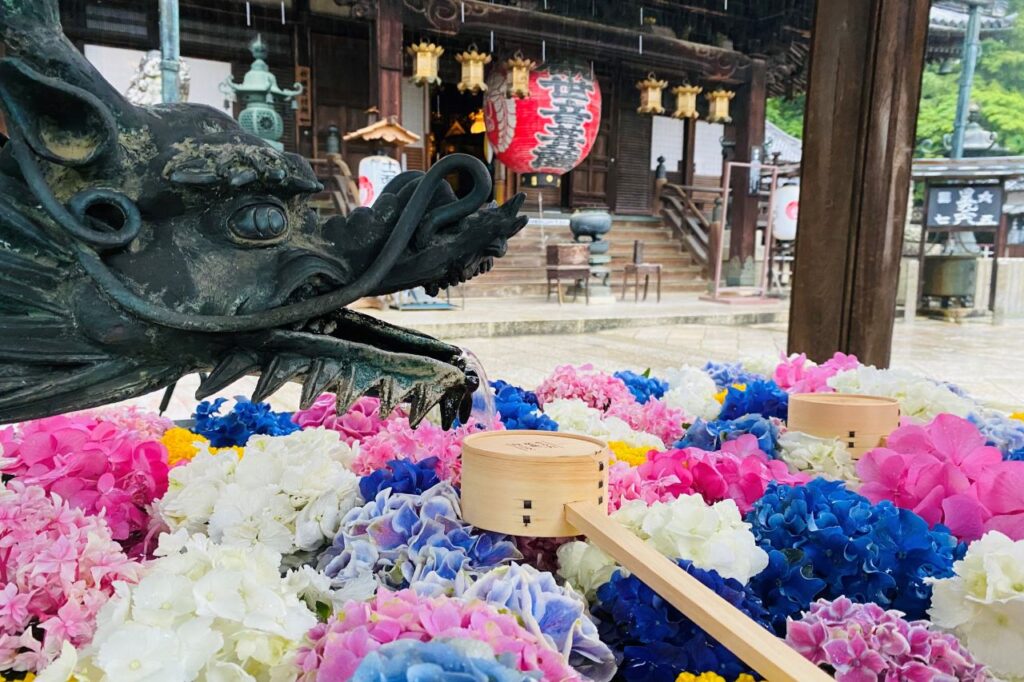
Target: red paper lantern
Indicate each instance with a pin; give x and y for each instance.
(553, 129)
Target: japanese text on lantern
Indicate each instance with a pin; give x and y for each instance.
(561, 142)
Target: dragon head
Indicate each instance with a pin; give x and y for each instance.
(144, 243)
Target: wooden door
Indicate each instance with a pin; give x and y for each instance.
(634, 180)
(590, 182)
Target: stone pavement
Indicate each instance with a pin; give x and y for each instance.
(978, 356)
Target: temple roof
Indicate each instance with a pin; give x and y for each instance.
(387, 130)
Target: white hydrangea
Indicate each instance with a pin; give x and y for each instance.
(713, 537)
(575, 416)
(692, 391)
(287, 493)
(983, 603)
(761, 363)
(825, 457)
(919, 397)
(201, 611)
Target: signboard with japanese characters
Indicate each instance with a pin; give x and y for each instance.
(964, 206)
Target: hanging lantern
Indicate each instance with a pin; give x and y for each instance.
(553, 128)
(718, 111)
(476, 122)
(472, 70)
(424, 63)
(519, 70)
(650, 95)
(686, 101)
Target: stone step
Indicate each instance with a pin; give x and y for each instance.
(486, 289)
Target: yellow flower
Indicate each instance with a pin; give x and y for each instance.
(1019, 416)
(720, 396)
(633, 455)
(182, 446)
(711, 677)
(28, 678)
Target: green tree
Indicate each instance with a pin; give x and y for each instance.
(788, 114)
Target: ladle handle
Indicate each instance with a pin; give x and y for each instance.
(759, 648)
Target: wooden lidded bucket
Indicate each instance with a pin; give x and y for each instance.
(862, 422)
(518, 482)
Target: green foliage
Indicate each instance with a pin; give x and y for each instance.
(788, 114)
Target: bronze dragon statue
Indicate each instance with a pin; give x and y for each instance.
(140, 244)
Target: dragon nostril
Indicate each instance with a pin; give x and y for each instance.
(258, 222)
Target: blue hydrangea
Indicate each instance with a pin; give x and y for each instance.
(410, 660)
(520, 409)
(245, 419)
(725, 374)
(1002, 432)
(825, 541)
(762, 397)
(642, 386)
(412, 540)
(401, 476)
(710, 435)
(655, 640)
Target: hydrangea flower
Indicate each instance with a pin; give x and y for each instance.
(245, 420)
(920, 398)
(202, 611)
(797, 374)
(866, 642)
(711, 677)
(692, 391)
(655, 640)
(399, 441)
(945, 473)
(335, 649)
(630, 454)
(288, 493)
(541, 553)
(1000, 431)
(711, 536)
(400, 476)
(739, 471)
(758, 397)
(824, 457)
(361, 421)
(405, 540)
(642, 386)
(554, 613)
(58, 567)
(143, 424)
(726, 374)
(92, 464)
(983, 603)
(655, 417)
(825, 541)
(520, 409)
(575, 416)
(182, 445)
(410, 660)
(597, 389)
(711, 435)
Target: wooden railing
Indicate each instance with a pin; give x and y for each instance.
(689, 211)
(339, 184)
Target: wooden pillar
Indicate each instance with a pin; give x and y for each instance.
(388, 58)
(865, 81)
(748, 114)
(689, 162)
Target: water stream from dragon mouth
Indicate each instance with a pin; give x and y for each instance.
(484, 409)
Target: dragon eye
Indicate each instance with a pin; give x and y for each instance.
(259, 222)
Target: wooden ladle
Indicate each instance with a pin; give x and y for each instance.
(544, 484)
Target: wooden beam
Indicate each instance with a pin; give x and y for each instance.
(478, 18)
(388, 58)
(749, 116)
(866, 61)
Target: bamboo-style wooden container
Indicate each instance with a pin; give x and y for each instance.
(539, 483)
(862, 422)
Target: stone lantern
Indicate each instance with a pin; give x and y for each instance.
(259, 91)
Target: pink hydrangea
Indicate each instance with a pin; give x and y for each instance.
(944, 472)
(654, 417)
(625, 483)
(144, 425)
(864, 643)
(335, 648)
(57, 568)
(361, 421)
(796, 376)
(597, 389)
(739, 472)
(398, 440)
(94, 465)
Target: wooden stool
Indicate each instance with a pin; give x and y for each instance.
(568, 261)
(639, 267)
